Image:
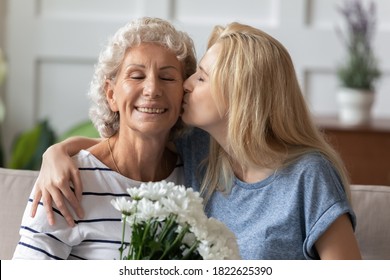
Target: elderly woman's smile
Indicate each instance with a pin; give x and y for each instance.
(150, 110)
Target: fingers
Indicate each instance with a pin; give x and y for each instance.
(76, 204)
(59, 192)
(47, 204)
(59, 201)
(35, 203)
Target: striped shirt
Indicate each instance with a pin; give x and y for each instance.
(98, 234)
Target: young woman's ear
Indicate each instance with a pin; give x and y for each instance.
(110, 95)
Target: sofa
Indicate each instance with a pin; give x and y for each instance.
(371, 205)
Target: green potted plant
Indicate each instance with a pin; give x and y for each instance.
(360, 71)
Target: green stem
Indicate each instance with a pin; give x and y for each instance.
(178, 239)
(131, 247)
(122, 247)
(144, 237)
(167, 226)
(154, 227)
(191, 250)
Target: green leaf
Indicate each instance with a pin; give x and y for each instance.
(85, 128)
(29, 147)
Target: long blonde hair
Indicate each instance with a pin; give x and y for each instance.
(269, 124)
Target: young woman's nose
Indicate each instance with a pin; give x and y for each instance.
(186, 86)
(152, 88)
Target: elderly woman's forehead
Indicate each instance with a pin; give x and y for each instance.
(146, 46)
(150, 44)
(147, 52)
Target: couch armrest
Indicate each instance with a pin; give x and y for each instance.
(372, 207)
(15, 188)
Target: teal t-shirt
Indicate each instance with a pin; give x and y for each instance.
(280, 217)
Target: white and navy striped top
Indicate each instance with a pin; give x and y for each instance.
(98, 235)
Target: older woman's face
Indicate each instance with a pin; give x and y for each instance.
(148, 90)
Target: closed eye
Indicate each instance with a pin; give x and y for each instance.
(137, 77)
(168, 79)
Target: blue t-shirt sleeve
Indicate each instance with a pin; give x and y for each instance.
(325, 201)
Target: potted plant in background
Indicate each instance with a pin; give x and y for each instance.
(360, 71)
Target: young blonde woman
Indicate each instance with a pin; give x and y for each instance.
(268, 175)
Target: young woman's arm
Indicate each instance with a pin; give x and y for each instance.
(57, 171)
(339, 241)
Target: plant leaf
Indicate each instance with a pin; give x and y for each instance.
(85, 128)
(29, 146)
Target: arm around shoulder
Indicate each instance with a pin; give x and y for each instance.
(73, 145)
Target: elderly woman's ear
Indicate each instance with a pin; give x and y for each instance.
(110, 95)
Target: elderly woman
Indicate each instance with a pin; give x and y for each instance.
(136, 94)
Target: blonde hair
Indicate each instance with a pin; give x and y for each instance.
(134, 33)
(269, 124)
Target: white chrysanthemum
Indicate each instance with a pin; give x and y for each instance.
(152, 191)
(222, 240)
(210, 251)
(123, 205)
(147, 209)
(186, 205)
(204, 249)
(200, 230)
(189, 239)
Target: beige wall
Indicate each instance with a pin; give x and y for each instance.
(3, 9)
(2, 22)
(2, 40)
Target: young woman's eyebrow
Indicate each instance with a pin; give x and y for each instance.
(202, 69)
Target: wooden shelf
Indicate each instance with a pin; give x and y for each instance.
(365, 149)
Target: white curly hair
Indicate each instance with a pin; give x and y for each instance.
(134, 33)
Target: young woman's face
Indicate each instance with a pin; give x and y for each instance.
(199, 108)
(148, 90)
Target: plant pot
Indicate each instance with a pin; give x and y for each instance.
(355, 105)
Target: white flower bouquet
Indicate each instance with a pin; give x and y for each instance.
(167, 221)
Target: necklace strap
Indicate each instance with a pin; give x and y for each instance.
(112, 156)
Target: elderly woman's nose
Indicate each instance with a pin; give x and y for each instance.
(152, 88)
